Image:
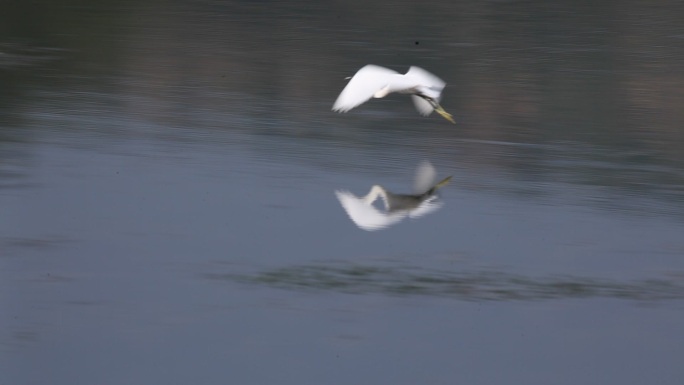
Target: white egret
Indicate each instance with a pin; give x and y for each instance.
(374, 81)
(396, 206)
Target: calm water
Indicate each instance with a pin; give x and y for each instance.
(167, 207)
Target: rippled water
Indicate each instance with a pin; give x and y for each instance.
(167, 178)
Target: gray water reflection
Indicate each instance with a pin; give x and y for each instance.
(464, 285)
(151, 155)
(394, 207)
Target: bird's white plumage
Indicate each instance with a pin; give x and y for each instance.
(363, 86)
(364, 214)
(428, 206)
(375, 81)
(426, 176)
(368, 217)
(427, 83)
(423, 106)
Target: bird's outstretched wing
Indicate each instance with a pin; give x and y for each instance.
(428, 206)
(425, 79)
(426, 84)
(364, 214)
(426, 175)
(362, 86)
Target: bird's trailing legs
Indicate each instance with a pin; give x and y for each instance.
(444, 114)
(439, 109)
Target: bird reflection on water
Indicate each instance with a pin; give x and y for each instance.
(396, 206)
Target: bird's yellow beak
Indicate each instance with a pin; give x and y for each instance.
(444, 114)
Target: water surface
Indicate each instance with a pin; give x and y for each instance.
(167, 178)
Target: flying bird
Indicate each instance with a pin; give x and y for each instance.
(374, 81)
